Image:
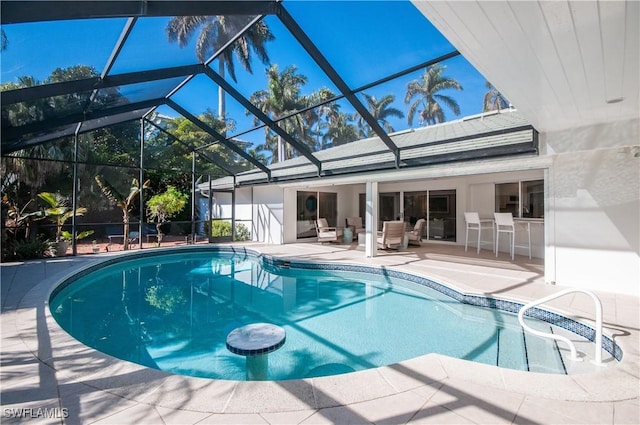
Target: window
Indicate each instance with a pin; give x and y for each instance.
(307, 212)
(313, 205)
(438, 204)
(442, 215)
(415, 206)
(533, 199)
(522, 199)
(328, 207)
(507, 198)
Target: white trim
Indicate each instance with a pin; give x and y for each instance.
(432, 172)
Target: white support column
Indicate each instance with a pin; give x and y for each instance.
(371, 219)
(549, 227)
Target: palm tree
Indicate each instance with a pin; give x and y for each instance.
(59, 211)
(280, 99)
(381, 111)
(36, 164)
(320, 118)
(425, 91)
(493, 99)
(215, 32)
(340, 130)
(125, 203)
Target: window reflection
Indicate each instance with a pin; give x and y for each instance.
(442, 215)
(533, 199)
(507, 198)
(389, 207)
(523, 199)
(328, 207)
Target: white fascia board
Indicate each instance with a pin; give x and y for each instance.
(432, 172)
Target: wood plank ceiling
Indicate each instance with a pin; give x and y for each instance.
(563, 64)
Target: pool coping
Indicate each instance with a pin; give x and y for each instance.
(82, 366)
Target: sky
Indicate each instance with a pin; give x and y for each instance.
(363, 40)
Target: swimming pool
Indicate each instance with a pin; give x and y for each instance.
(174, 311)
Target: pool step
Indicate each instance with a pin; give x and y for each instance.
(543, 354)
(522, 351)
(511, 349)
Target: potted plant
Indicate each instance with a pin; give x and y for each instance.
(68, 238)
(59, 212)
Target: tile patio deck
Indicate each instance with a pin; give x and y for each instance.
(42, 367)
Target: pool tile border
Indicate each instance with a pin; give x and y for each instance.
(548, 316)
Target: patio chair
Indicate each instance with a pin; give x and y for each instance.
(415, 235)
(327, 233)
(356, 224)
(392, 234)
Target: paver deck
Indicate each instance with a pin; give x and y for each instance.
(42, 367)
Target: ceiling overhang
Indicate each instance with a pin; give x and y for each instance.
(563, 64)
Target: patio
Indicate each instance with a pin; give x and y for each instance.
(42, 367)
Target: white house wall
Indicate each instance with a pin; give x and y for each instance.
(290, 207)
(244, 209)
(222, 205)
(592, 202)
(474, 193)
(268, 214)
(595, 181)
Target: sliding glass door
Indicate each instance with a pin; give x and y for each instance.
(328, 207)
(442, 215)
(311, 206)
(388, 207)
(415, 208)
(306, 213)
(438, 207)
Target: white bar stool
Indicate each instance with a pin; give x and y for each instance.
(527, 224)
(505, 224)
(475, 223)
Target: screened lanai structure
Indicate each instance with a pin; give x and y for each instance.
(190, 91)
(255, 107)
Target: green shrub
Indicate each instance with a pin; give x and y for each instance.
(242, 232)
(26, 249)
(222, 228)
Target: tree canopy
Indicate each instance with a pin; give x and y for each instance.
(424, 96)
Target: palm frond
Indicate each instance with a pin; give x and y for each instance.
(108, 191)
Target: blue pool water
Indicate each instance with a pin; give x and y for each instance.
(174, 311)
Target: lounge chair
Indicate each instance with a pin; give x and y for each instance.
(415, 235)
(392, 234)
(327, 233)
(356, 224)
